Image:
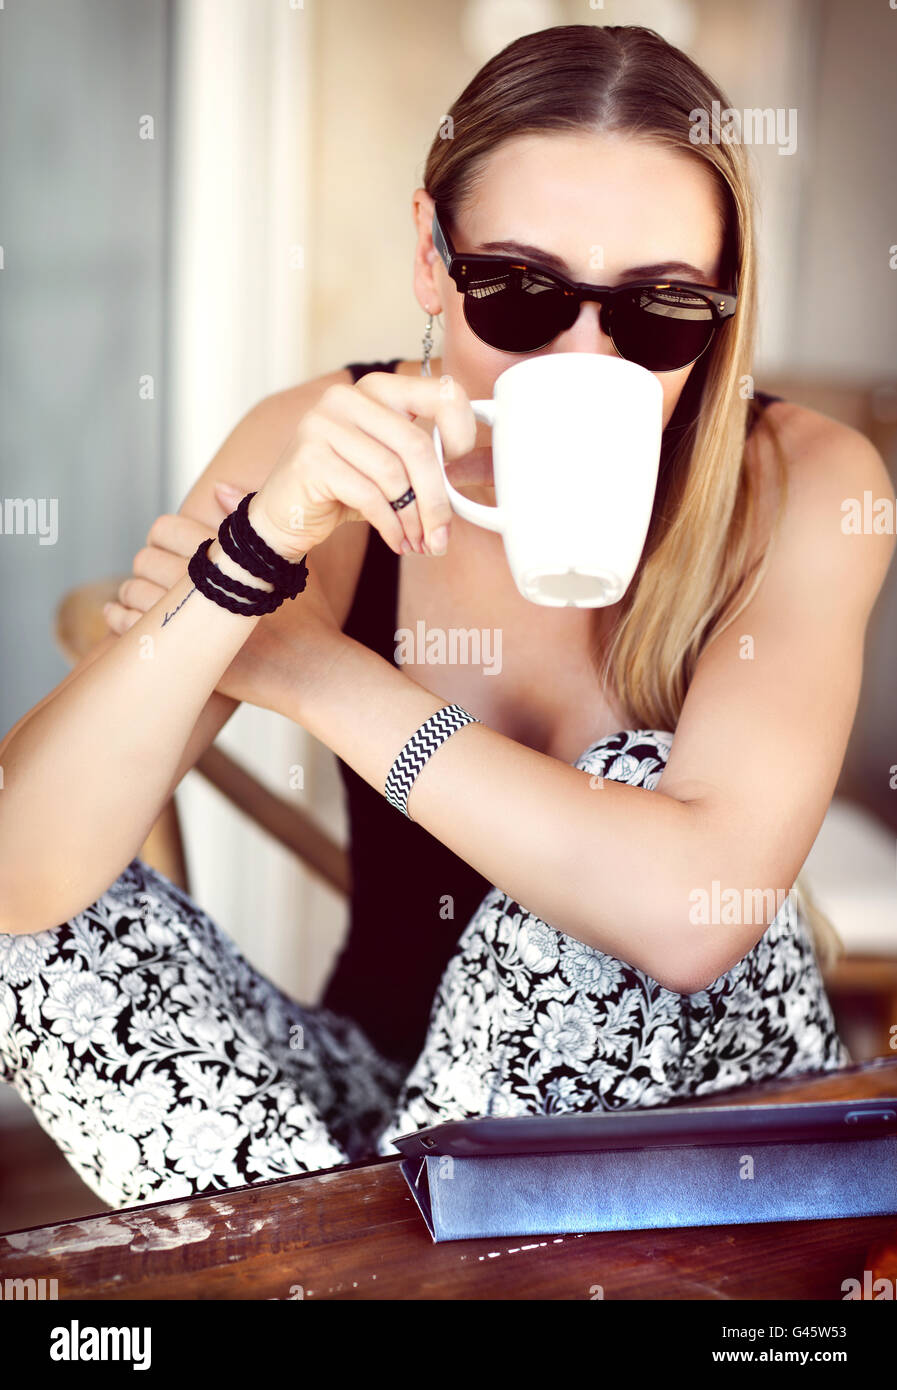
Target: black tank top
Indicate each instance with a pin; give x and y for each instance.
(399, 939)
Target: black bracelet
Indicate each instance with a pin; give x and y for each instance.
(247, 548)
(250, 561)
(223, 589)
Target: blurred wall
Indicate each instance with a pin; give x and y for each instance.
(83, 201)
(844, 320)
(238, 332)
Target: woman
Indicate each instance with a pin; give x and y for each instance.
(159, 1060)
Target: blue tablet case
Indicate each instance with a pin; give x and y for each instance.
(639, 1188)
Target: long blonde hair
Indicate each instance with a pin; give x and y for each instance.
(697, 571)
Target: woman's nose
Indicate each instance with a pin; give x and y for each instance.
(586, 334)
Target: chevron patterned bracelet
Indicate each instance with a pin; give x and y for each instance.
(420, 746)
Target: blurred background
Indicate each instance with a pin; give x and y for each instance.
(207, 201)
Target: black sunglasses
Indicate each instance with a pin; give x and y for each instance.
(517, 306)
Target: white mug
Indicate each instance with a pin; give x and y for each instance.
(575, 448)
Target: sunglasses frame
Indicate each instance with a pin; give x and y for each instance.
(461, 266)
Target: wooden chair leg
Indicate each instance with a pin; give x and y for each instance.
(293, 827)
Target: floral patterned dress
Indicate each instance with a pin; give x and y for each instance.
(527, 1020)
(163, 1064)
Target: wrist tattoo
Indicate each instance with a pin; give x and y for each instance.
(169, 616)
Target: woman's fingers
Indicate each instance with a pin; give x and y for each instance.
(227, 496)
(178, 534)
(137, 596)
(444, 401)
(118, 618)
(161, 564)
(386, 469)
(379, 406)
(359, 492)
(141, 594)
(161, 567)
(355, 453)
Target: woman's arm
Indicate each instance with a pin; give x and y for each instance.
(86, 776)
(86, 772)
(756, 755)
(575, 856)
(76, 804)
(217, 711)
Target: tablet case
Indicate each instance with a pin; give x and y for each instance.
(636, 1189)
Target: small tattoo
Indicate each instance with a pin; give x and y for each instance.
(168, 616)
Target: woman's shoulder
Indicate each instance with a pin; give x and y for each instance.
(819, 453)
(829, 467)
(287, 405)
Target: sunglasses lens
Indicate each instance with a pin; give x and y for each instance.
(662, 329)
(517, 310)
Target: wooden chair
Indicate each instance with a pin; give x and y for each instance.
(863, 989)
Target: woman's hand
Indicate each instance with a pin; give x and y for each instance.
(356, 451)
(264, 657)
(156, 568)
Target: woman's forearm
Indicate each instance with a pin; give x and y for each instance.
(527, 822)
(84, 778)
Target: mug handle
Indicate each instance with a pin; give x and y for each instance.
(489, 517)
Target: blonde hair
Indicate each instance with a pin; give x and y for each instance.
(697, 571)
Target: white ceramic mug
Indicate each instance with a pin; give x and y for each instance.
(575, 447)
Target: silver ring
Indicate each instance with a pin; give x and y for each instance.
(403, 501)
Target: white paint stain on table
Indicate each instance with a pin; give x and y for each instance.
(516, 1249)
(166, 1229)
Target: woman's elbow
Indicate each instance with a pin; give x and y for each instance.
(682, 958)
(684, 978)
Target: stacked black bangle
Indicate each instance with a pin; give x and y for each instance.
(217, 585)
(246, 548)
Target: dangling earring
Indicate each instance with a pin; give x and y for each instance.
(427, 345)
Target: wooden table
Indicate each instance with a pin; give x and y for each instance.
(355, 1233)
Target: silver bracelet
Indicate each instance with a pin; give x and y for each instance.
(420, 746)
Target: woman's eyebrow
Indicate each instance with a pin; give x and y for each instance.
(553, 262)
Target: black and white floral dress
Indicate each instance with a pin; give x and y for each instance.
(528, 1020)
(163, 1064)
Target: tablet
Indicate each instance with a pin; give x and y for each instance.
(657, 1127)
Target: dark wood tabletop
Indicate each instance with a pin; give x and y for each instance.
(354, 1232)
